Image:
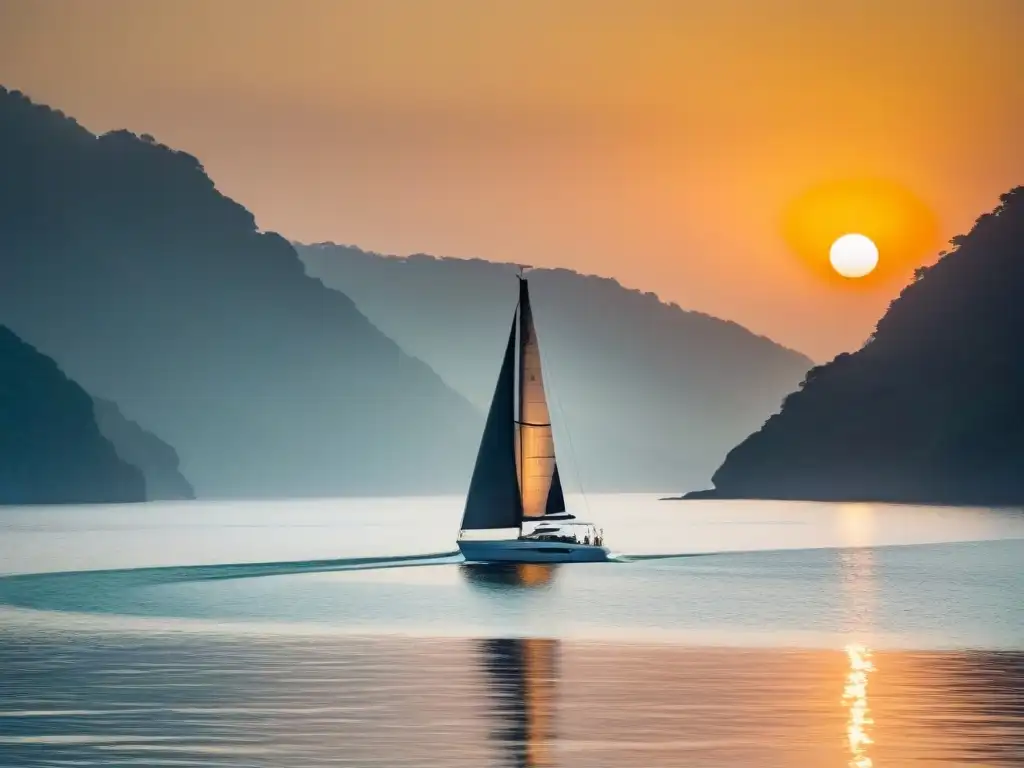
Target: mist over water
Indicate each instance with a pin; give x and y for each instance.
(349, 633)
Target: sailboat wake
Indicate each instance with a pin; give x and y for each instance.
(108, 591)
(63, 590)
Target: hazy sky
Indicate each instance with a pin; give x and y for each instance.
(676, 146)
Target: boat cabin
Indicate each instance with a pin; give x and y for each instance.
(570, 533)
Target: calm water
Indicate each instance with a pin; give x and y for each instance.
(346, 633)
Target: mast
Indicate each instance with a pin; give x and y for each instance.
(519, 387)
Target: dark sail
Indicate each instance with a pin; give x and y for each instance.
(556, 501)
(493, 500)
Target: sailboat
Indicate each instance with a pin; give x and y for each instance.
(515, 510)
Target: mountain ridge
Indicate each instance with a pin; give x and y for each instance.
(627, 373)
(154, 290)
(419, 255)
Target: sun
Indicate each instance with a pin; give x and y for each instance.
(853, 255)
(903, 228)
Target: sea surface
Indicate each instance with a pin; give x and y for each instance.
(350, 633)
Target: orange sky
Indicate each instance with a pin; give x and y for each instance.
(661, 142)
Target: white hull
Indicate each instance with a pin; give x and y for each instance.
(525, 551)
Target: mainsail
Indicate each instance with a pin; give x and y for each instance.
(515, 476)
(536, 450)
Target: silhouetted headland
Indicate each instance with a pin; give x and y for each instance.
(51, 449)
(930, 410)
(651, 395)
(123, 262)
(157, 460)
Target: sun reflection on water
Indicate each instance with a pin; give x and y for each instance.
(855, 697)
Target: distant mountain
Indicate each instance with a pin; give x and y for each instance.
(121, 260)
(931, 409)
(157, 460)
(51, 450)
(653, 396)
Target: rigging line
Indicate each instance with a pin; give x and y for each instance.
(568, 434)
